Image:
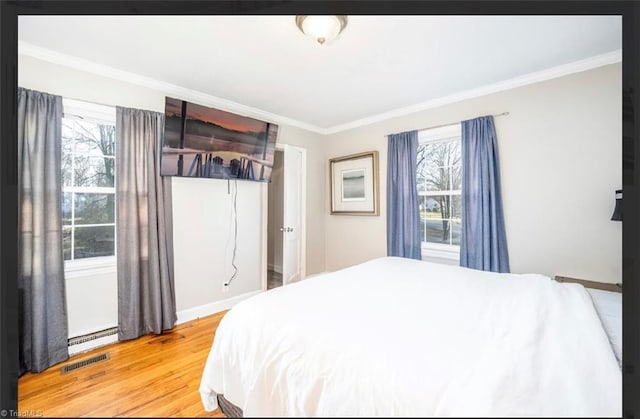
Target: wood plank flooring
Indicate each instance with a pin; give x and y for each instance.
(152, 376)
(274, 279)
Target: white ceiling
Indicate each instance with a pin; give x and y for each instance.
(378, 65)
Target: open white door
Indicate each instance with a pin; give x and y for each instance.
(293, 214)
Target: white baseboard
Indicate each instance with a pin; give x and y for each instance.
(183, 316)
(93, 329)
(274, 268)
(212, 308)
(92, 344)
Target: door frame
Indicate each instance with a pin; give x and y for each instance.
(264, 198)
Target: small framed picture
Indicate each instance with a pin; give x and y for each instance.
(354, 184)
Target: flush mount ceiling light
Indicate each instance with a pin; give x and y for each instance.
(323, 29)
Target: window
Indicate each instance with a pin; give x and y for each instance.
(439, 179)
(88, 182)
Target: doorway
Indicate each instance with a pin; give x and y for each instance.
(285, 218)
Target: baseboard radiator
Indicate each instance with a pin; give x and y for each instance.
(92, 336)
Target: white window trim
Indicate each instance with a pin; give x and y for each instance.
(87, 110)
(81, 268)
(90, 225)
(90, 189)
(101, 114)
(432, 135)
(443, 251)
(445, 133)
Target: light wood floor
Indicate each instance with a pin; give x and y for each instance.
(152, 376)
(274, 279)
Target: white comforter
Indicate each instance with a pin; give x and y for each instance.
(399, 337)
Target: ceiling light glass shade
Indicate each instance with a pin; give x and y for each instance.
(323, 29)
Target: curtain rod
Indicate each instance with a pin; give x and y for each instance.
(453, 123)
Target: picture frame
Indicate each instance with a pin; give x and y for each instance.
(354, 185)
(206, 142)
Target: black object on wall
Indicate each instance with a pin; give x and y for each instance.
(617, 212)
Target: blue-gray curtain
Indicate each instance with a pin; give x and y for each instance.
(403, 213)
(146, 296)
(42, 312)
(483, 243)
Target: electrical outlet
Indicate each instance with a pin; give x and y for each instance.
(225, 288)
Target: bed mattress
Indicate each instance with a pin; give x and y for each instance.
(399, 337)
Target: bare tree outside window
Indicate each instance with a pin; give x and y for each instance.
(88, 174)
(439, 178)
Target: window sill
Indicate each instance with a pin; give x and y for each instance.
(83, 268)
(441, 252)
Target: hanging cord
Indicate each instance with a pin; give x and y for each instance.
(235, 233)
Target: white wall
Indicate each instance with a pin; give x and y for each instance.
(560, 154)
(201, 209)
(92, 303)
(276, 196)
(203, 239)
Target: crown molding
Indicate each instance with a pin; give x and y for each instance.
(210, 100)
(530, 78)
(173, 90)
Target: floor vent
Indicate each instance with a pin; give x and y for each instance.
(91, 336)
(84, 363)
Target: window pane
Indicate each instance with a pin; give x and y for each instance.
(66, 171)
(67, 151)
(452, 153)
(455, 164)
(439, 165)
(421, 168)
(94, 241)
(456, 176)
(439, 170)
(94, 171)
(437, 179)
(66, 208)
(67, 157)
(438, 231)
(66, 243)
(431, 174)
(456, 228)
(94, 208)
(433, 206)
(456, 206)
(68, 127)
(439, 206)
(94, 140)
(423, 228)
(422, 186)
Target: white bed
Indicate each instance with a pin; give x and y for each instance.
(608, 305)
(400, 337)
